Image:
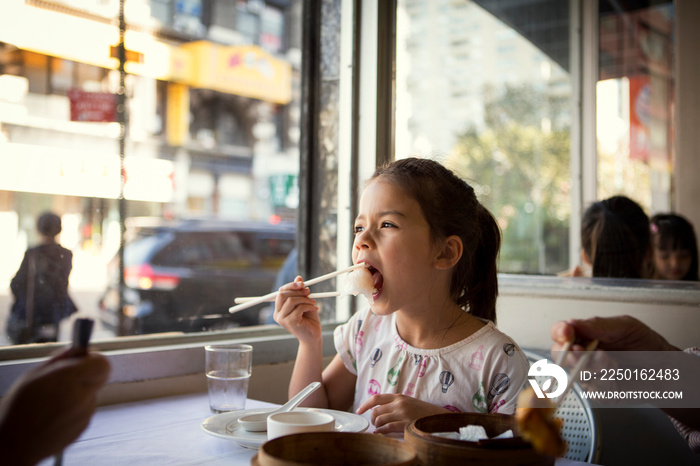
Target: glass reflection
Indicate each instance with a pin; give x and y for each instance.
(496, 106)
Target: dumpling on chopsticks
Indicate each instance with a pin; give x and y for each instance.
(360, 281)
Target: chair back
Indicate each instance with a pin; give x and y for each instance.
(579, 427)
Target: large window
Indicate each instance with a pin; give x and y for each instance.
(544, 106)
(210, 145)
(501, 103)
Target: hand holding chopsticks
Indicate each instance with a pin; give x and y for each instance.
(272, 296)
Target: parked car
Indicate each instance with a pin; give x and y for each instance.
(184, 275)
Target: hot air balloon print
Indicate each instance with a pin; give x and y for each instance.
(509, 348)
(375, 357)
(446, 379)
(499, 385)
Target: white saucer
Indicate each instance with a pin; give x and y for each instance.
(226, 425)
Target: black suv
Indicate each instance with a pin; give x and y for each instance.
(184, 275)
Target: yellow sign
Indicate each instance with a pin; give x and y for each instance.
(130, 55)
(245, 70)
(177, 121)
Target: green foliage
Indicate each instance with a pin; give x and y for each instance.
(520, 172)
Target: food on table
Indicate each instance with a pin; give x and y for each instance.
(538, 425)
(472, 433)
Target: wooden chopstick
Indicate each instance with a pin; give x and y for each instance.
(562, 355)
(272, 296)
(576, 371)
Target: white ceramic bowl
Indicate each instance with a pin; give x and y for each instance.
(296, 422)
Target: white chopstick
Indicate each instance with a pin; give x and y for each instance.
(576, 371)
(323, 294)
(313, 281)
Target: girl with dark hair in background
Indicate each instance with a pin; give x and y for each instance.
(427, 344)
(615, 239)
(675, 247)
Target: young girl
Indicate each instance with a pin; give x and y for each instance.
(428, 343)
(675, 248)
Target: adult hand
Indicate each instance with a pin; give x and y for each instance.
(391, 412)
(49, 406)
(620, 333)
(298, 313)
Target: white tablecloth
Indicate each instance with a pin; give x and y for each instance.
(163, 431)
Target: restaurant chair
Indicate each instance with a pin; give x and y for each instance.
(580, 422)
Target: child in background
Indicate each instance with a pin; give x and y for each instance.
(675, 248)
(428, 344)
(615, 239)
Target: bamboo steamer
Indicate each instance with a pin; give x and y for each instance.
(432, 450)
(334, 448)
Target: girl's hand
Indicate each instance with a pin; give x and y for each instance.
(391, 412)
(296, 312)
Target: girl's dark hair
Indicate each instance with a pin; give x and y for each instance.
(451, 208)
(615, 236)
(673, 231)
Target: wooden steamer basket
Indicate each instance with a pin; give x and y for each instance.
(334, 448)
(432, 450)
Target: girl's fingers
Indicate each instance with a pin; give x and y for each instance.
(295, 310)
(397, 426)
(291, 293)
(374, 400)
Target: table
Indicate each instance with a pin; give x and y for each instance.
(162, 431)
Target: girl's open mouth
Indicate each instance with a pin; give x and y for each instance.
(377, 280)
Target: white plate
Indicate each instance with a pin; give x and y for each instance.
(226, 425)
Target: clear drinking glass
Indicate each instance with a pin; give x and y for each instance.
(228, 369)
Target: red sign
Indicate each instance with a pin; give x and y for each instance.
(92, 106)
(640, 117)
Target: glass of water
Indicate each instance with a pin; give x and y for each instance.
(228, 369)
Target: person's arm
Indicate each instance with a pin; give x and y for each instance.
(339, 383)
(49, 407)
(298, 313)
(622, 333)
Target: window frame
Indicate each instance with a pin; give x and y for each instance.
(164, 356)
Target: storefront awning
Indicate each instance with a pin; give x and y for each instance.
(246, 70)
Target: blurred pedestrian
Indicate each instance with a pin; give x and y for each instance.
(675, 247)
(40, 287)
